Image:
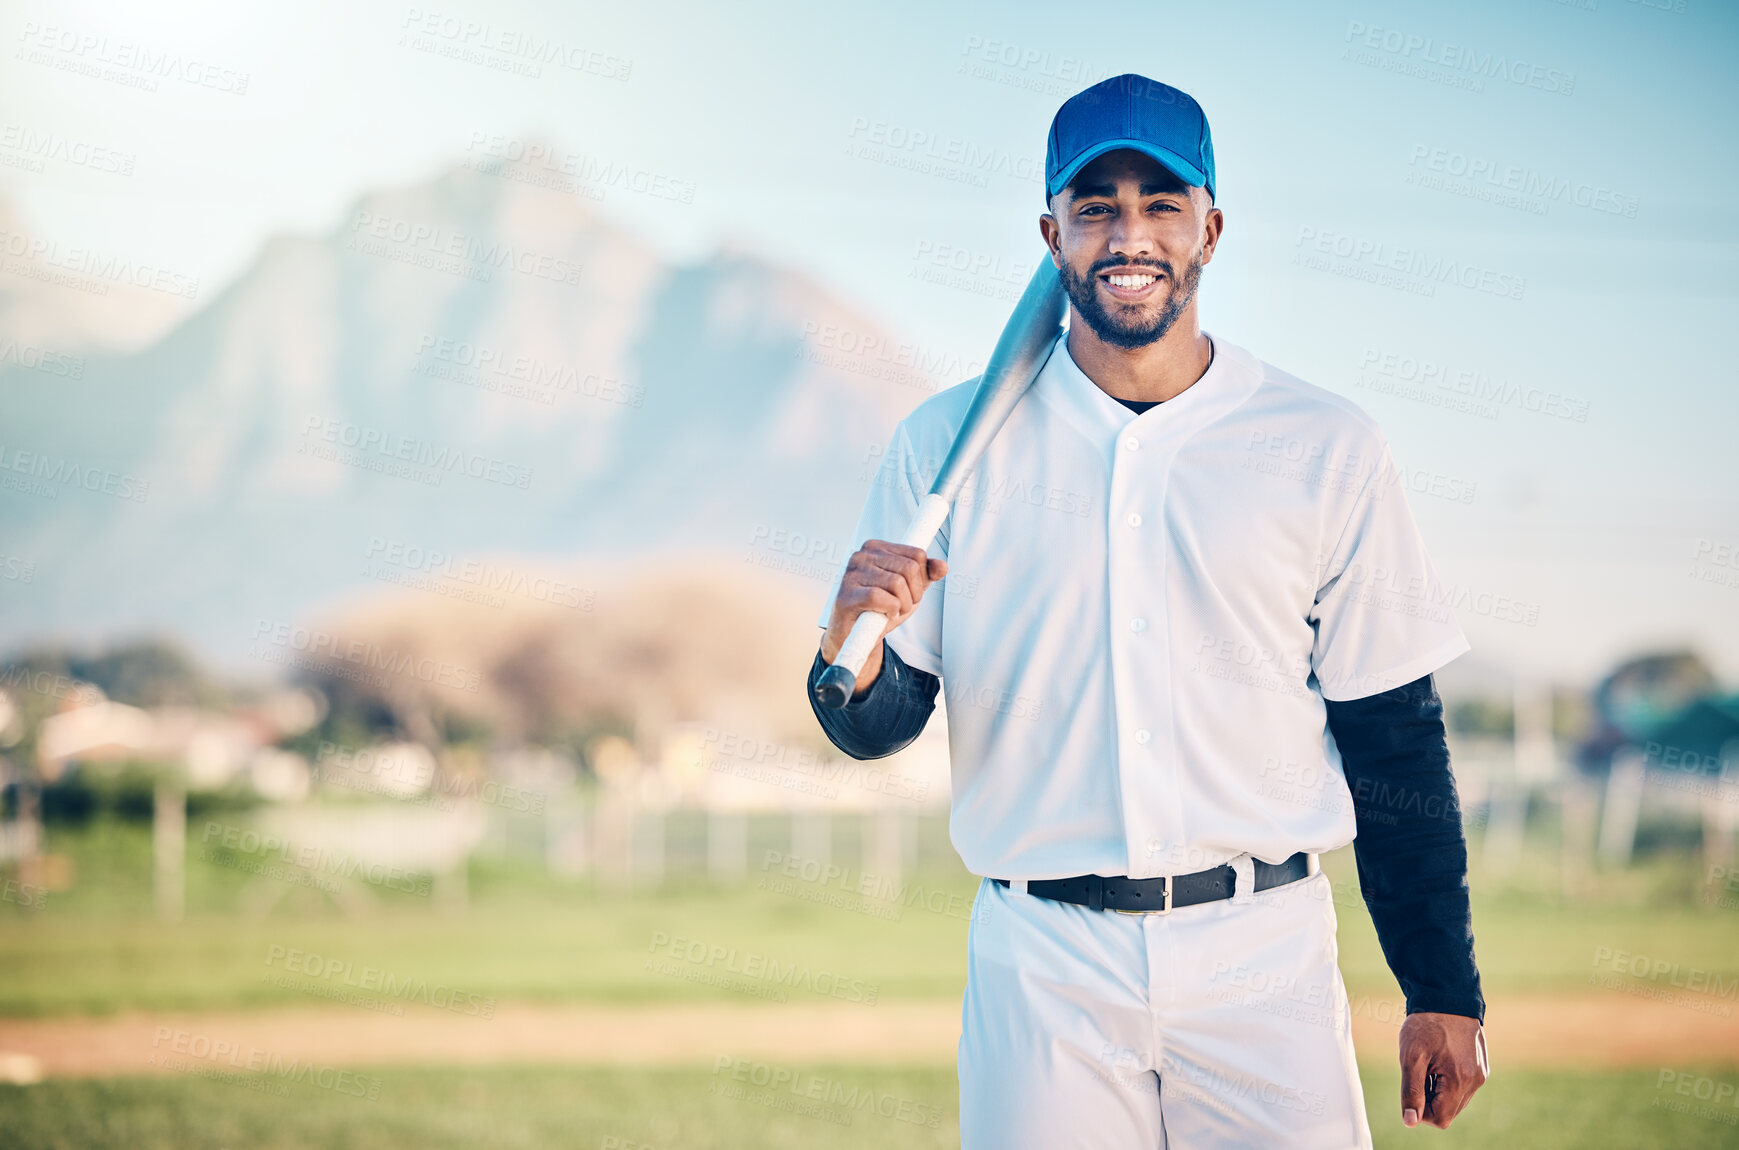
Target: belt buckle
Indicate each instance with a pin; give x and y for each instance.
(1164, 909)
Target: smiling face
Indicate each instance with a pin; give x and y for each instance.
(1130, 240)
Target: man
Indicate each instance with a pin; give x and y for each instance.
(1198, 655)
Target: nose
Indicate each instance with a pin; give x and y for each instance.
(1131, 238)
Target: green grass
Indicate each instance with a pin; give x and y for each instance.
(500, 1107)
(1555, 1110)
(664, 1109)
(524, 937)
(527, 936)
(1529, 942)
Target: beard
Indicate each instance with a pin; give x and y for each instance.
(1125, 327)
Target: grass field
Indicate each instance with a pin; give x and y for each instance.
(529, 937)
(681, 1109)
(524, 937)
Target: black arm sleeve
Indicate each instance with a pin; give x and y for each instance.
(885, 717)
(1411, 852)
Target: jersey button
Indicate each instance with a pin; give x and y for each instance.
(1132, 444)
(1134, 519)
(1138, 625)
(1142, 735)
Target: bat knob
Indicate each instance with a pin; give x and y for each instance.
(834, 687)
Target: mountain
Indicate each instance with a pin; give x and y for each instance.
(59, 302)
(474, 369)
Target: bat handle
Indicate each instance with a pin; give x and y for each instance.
(834, 687)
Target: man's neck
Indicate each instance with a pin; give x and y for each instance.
(1157, 372)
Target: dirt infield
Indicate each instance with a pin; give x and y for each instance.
(1591, 1031)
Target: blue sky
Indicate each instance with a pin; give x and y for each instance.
(1340, 130)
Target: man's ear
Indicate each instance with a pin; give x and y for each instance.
(1051, 232)
(1216, 229)
(1213, 223)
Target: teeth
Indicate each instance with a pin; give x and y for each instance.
(1131, 281)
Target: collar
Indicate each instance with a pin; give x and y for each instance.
(1063, 387)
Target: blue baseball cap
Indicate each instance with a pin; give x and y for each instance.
(1130, 111)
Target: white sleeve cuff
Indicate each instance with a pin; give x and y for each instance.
(1344, 688)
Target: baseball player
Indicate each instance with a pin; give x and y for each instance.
(1198, 655)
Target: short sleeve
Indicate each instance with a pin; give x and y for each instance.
(898, 485)
(1382, 617)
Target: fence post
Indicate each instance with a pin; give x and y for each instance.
(169, 846)
(727, 845)
(1623, 805)
(647, 847)
(812, 836)
(567, 838)
(613, 837)
(884, 852)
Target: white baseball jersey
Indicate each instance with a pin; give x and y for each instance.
(1149, 611)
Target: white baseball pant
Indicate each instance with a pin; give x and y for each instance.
(1223, 1024)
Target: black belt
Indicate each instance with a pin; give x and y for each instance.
(1160, 895)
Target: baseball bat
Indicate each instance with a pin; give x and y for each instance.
(1021, 351)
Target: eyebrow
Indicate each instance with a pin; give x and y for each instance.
(1109, 191)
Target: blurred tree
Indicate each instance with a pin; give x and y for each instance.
(151, 672)
(355, 716)
(1636, 698)
(1697, 739)
(1643, 692)
(1482, 716)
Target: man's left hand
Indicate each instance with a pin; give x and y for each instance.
(1447, 1053)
